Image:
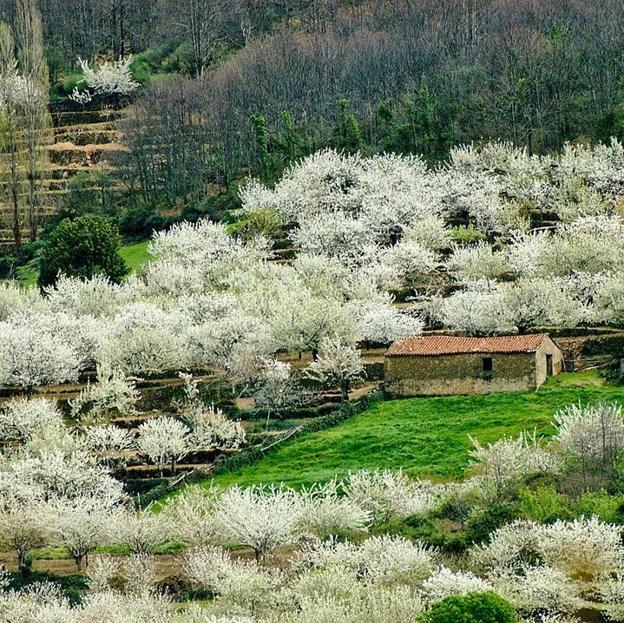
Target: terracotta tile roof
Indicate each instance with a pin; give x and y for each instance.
(453, 345)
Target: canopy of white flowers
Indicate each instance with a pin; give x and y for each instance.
(363, 229)
(55, 491)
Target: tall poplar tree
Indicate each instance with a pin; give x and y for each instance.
(11, 150)
(35, 116)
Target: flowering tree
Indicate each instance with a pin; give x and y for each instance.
(510, 460)
(109, 443)
(22, 529)
(192, 516)
(163, 440)
(110, 79)
(338, 364)
(238, 584)
(81, 524)
(325, 513)
(21, 419)
(386, 494)
(142, 531)
(259, 518)
(30, 356)
(114, 393)
(276, 389)
(478, 310)
(592, 437)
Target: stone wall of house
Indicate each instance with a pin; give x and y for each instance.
(548, 347)
(441, 375)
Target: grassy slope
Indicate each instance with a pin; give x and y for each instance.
(135, 255)
(423, 436)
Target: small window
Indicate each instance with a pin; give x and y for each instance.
(487, 368)
(549, 365)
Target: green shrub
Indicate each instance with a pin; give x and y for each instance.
(265, 222)
(84, 247)
(544, 505)
(141, 221)
(70, 81)
(608, 508)
(485, 607)
(466, 235)
(141, 71)
(88, 192)
(180, 61)
(8, 263)
(484, 521)
(433, 533)
(614, 370)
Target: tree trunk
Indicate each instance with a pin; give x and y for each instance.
(344, 391)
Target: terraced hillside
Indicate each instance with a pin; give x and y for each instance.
(81, 141)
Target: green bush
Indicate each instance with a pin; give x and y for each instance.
(484, 521)
(180, 61)
(8, 263)
(265, 222)
(84, 247)
(614, 370)
(608, 508)
(141, 71)
(141, 221)
(612, 124)
(429, 531)
(544, 505)
(485, 607)
(466, 235)
(70, 81)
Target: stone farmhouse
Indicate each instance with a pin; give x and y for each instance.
(441, 365)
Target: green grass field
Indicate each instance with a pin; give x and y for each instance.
(425, 437)
(135, 255)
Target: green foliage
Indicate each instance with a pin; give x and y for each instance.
(449, 534)
(266, 222)
(612, 124)
(347, 133)
(84, 247)
(419, 124)
(57, 63)
(487, 607)
(141, 70)
(447, 537)
(544, 505)
(180, 60)
(466, 235)
(70, 81)
(606, 507)
(483, 521)
(291, 141)
(140, 221)
(73, 587)
(263, 157)
(614, 370)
